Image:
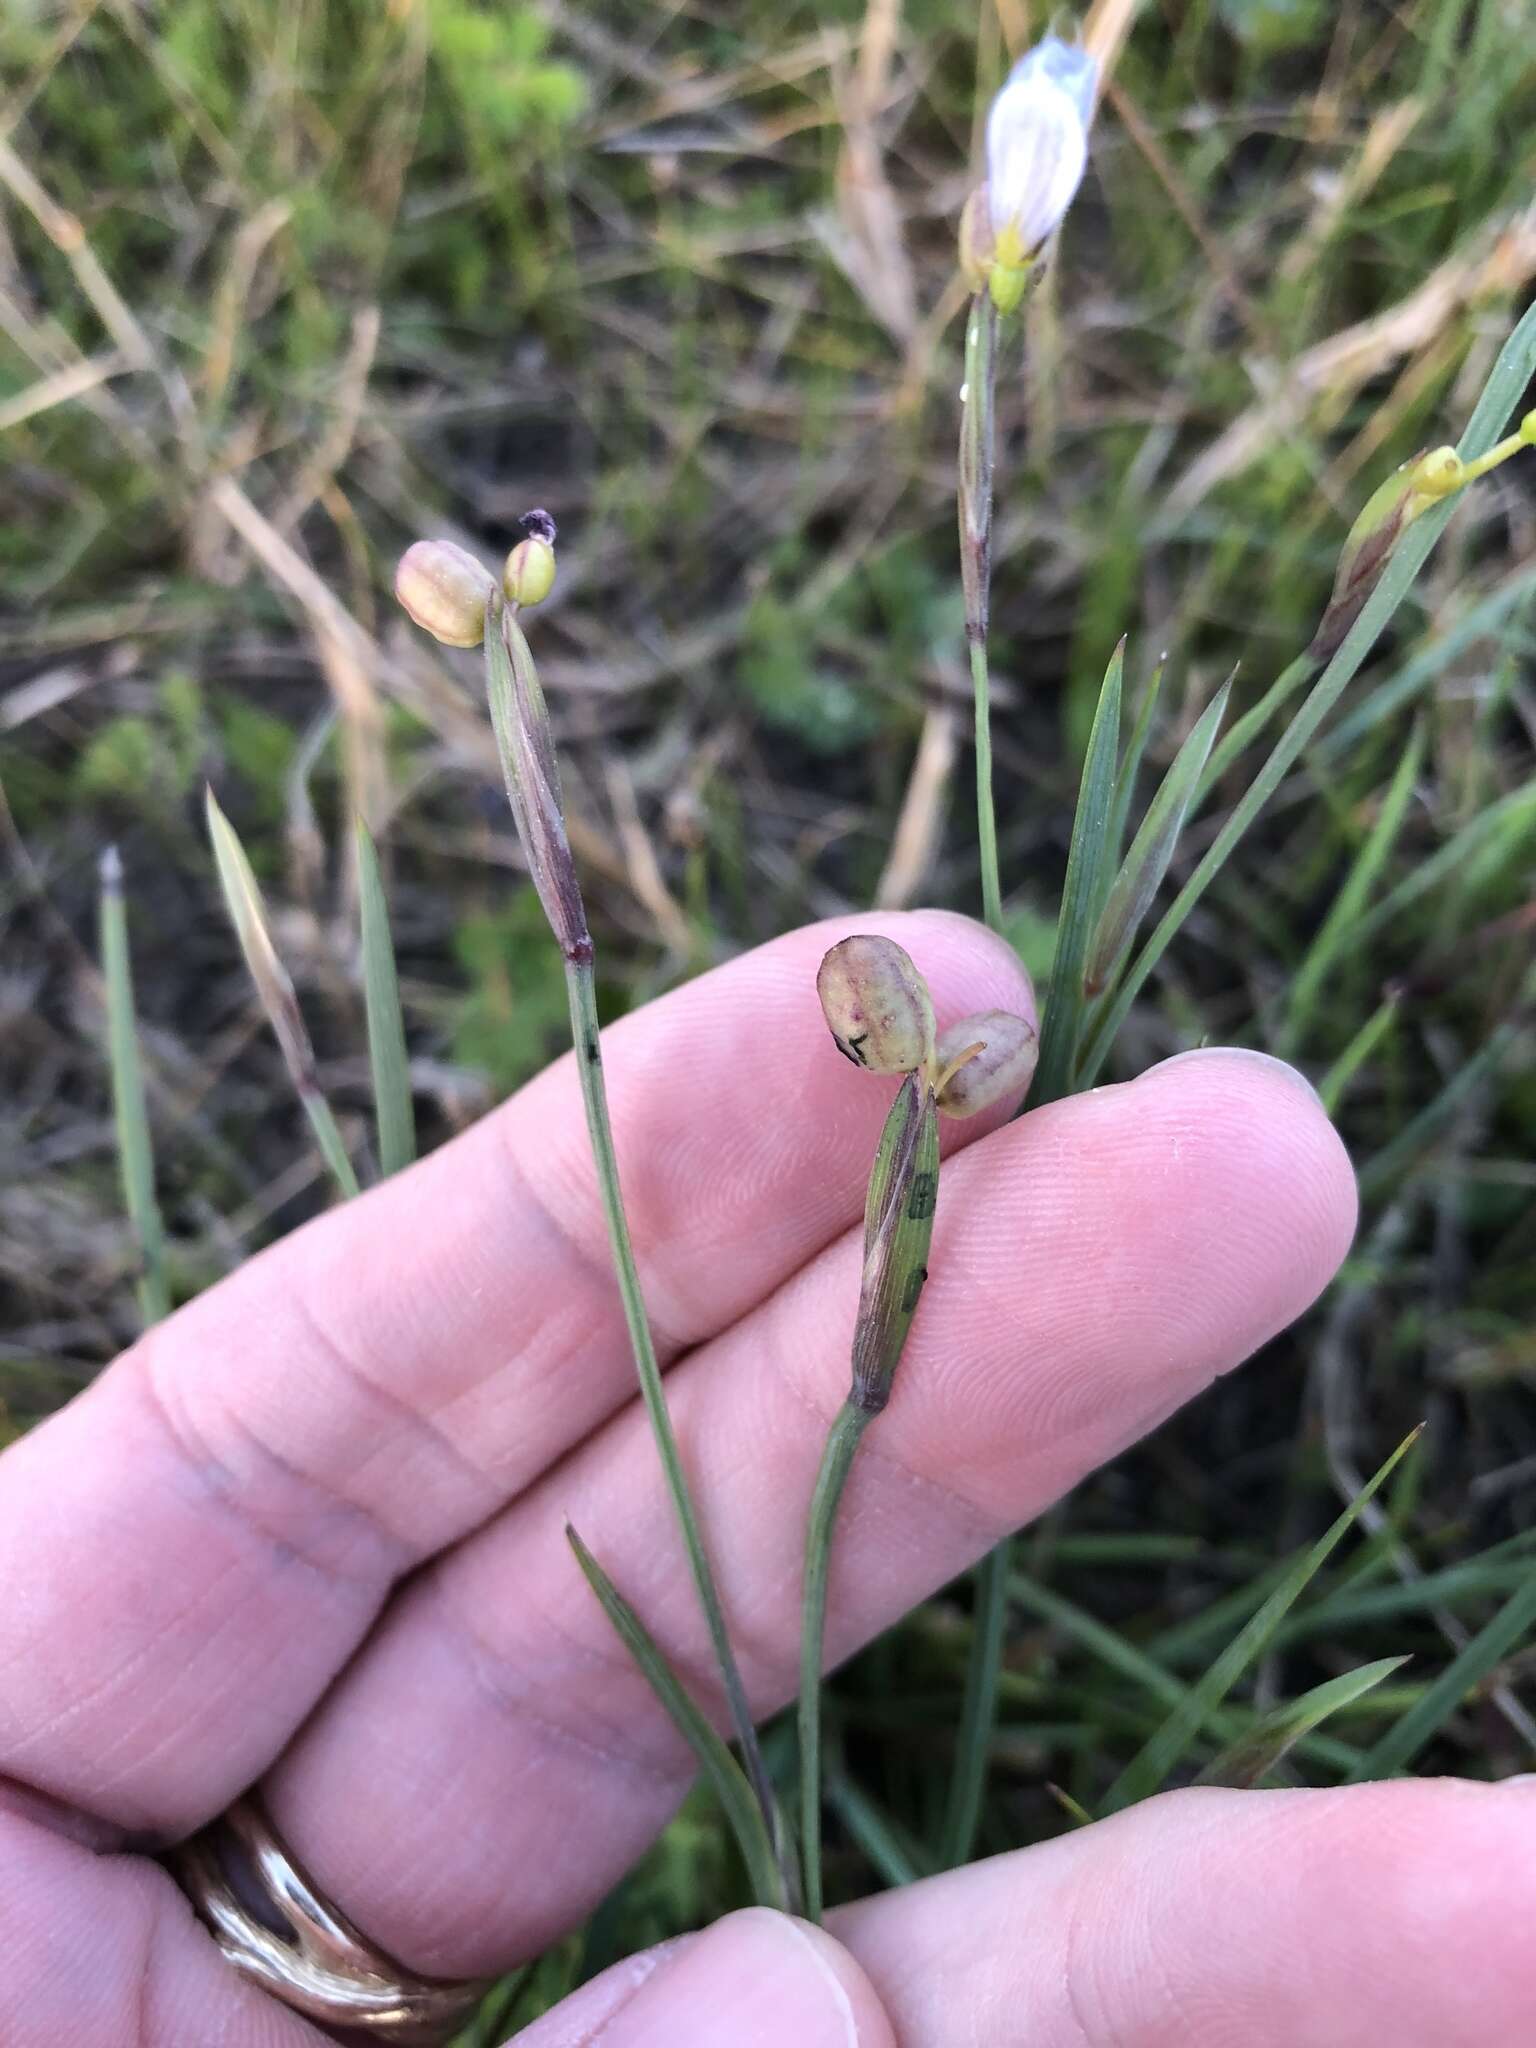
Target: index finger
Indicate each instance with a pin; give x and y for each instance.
(198, 1543)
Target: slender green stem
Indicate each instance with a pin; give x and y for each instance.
(977, 408)
(582, 990)
(135, 1154)
(842, 1442)
(978, 1713)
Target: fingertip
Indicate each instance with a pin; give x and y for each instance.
(756, 1979)
(1267, 1138)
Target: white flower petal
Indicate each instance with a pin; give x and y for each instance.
(1037, 140)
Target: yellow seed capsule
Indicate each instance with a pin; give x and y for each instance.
(445, 590)
(876, 1005)
(529, 576)
(1009, 1048)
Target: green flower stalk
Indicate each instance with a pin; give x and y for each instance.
(880, 1014)
(1037, 149)
(525, 744)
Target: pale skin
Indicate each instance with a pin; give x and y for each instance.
(308, 1534)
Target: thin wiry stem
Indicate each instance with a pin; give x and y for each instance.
(977, 408)
(978, 1711)
(836, 1459)
(582, 989)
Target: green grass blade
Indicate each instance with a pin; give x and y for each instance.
(1342, 924)
(1511, 374)
(1334, 1085)
(1500, 828)
(1271, 1739)
(1460, 1679)
(736, 1796)
(1088, 864)
(1132, 757)
(275, 990)
(135, 1152)
(1148, 1770)
(978, 1707)
(882, 1840)
(393, 1107)
(1142, 871)
(1417, 1137)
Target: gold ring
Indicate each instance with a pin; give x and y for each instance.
(271, 1923)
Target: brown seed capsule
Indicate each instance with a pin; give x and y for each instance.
(1009, 1049)
(876, 1005)
(445, 590)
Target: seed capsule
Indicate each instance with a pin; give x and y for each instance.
(876, 1005)
(1009, 1048)
(445, 590)
(529, 575)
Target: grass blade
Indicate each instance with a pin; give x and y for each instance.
(1131, 759)
(1085, 888)
(275, 990)
(135, 1152)
(1440, 1699)
(1271, 1739)
(1341, 925)
(1142, 871)
(393, 1108)
(1089, 860)
(1511, 374)
(1149, 1769)
(736, 1796)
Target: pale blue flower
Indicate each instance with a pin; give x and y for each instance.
(1037, 144)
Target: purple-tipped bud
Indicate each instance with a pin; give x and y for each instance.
(445, 590)
(1002, 1068)
(876, 1005)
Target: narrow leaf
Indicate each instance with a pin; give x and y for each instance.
(719, 1766)
(1149, 1768)
(135, 1153)
(1511, 374)
(1459, 1681)
(1273, 1736)
(275, 990)
(1131, 759)
(393, 1108)
(1089, 862)
(1142, 870)
(1340, 929)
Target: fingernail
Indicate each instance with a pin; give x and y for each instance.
(589, 2012)
(1282, 1069)
(755, 1980)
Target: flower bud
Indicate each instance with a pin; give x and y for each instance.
(1037, 150)
(876, 1005)
(1009, 1047)
(445, 590)
(529, 575)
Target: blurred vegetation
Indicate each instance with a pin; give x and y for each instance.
(286, 283)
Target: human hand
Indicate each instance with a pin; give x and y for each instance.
(310, 1533)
